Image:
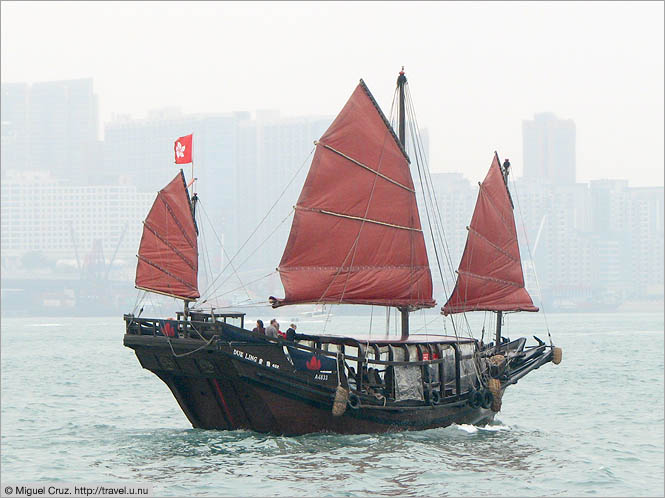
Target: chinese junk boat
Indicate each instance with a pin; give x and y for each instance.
(356, 238)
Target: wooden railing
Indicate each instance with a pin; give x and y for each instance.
(206, 329)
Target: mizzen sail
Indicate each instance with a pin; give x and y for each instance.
(490, 274)
(168, 253)
(356, 235)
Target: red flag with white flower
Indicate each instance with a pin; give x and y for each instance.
(183, 150)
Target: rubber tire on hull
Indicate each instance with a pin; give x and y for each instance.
(475, 398)
(488, 399)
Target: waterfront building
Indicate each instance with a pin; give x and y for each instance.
(65, 223)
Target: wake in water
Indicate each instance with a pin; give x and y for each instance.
(472, 429)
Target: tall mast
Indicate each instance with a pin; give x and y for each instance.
(401, 81)
(505, 170)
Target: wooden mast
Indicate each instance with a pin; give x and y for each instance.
(401, 81)
(194, 199)
(499, 314)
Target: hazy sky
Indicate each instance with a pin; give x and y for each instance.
(476, 70)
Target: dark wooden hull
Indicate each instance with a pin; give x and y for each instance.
(229, 385)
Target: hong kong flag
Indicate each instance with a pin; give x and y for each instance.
(183, 150)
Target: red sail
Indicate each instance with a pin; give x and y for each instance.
(168, 254)
(490, 274)
(356, 235)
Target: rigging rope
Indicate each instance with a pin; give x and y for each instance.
(533, 263)
(428, 188)
(217, 287)
(206, 252)
(279, 197)
(242, 287)
(224, 251)
(354, 246)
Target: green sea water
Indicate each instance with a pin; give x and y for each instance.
(78, 408)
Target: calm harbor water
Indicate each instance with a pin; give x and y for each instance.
(78, 408)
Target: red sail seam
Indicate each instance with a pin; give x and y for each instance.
(476, 232)
(189, 200)
(507, 282)
(177, 221)
(385, 121)
(352, 268)
(163, 293)
(155, 265)
(494, 205)
(354, 247)
(381, 175)
(187, 261)
(449, 310)
(379, 302)
(357, 218)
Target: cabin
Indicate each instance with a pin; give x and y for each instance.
(429, 369)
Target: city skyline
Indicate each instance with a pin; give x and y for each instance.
(595, 243)
(175, 114)
(585, 62)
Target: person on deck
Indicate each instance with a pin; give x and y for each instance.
(291, 332)
(279, 332)
(272, 329)
(259, 329)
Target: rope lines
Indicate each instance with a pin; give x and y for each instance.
(279, 197)
(432, 209)
(533, 263)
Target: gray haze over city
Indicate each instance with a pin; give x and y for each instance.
(95, 93)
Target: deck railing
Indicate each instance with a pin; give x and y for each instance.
(449, 388)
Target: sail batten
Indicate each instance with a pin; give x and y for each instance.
(187, 261)
(168, 252)
(490, 276)
(365, 166)
(359, 218)
(505, 253)
(167, 273)
(490, 279)
(356, 235)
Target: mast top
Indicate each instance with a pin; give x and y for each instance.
(401, 79)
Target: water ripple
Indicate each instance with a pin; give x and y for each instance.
(83, 410)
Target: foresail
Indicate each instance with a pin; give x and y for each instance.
(168, 253)
(490, 274)
(356, 235)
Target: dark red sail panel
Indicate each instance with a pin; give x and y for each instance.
(356, 234)
(168, 253)
(490, 274)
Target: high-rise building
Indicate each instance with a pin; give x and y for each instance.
(15, 136)
(242, 166)
(51, 126)
(549, 149)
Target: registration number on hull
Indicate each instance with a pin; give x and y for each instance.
(256, 359)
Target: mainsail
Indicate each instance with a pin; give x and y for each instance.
(490, 274)
(168, 253)
(356, 234)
